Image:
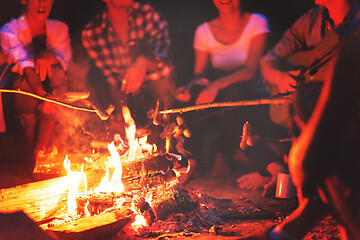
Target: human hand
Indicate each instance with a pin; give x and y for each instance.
(134, 76)
(288, 82)
(208, 95)
(252, 181)
(43, 64)
(48, 107)
(182, 94)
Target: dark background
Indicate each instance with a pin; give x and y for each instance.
(183, 17)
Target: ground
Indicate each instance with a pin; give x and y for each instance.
(265, 212)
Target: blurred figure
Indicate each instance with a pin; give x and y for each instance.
(305, 35)
(39, 52)
(227, 54)
(303, 41)
(128, 44)
(324, 160)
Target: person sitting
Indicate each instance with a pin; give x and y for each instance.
(128, 45)
(227, 54)
(306, 36)
(324, 159)
(39, 52)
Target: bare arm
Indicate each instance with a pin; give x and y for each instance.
(246, 73)
(33, 79)
(202, 60)
(249, 70)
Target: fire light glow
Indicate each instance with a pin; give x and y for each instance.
(111, 182)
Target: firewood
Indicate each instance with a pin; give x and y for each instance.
(44, 199)
(97, 202)
(169, 198)
(148, 171)
(41, 200)
(36, 199)
(102, 226)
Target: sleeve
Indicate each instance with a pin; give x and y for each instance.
(61, 45)
(292, 41)
(200, 40)
(157, 29)
(14, 49)
(261, 25)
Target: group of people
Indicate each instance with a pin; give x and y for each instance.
(128, 48)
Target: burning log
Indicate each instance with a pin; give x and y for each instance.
(95, 203)
(152, 170)
(43, 199)
(40, 199)
(168, 200)
(37, 200)
(102, 226)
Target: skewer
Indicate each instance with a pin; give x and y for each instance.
(103, 114)
(262, 101)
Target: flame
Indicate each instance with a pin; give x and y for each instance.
(75, 178)
(114, 184)
(121, 151)
(167, 145)
(86, 211)
(135, 150)
(139, 222)
(146, 146)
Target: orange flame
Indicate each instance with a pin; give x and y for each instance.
(75, 179)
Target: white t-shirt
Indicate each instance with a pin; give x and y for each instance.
(230, 56)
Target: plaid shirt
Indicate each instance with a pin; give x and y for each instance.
(148, 36)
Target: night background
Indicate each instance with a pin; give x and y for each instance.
(78, 129)
(183, 17)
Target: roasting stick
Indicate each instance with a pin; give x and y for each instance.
(103, 114)
(47, 100)
(262, 101)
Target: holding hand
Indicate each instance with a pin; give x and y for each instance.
(183, 94)
(48, 107)
(288, 82)
(43, 64)
(134, 76)
(209, 94)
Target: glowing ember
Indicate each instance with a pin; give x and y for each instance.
(139, 223)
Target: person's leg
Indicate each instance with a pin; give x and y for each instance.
(343, 202)
(25, 109)
(58, 85)
(302, 220)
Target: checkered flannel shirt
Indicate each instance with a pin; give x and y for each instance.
(148, 36)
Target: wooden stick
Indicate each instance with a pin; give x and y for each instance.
(47, 100)
(261, 101)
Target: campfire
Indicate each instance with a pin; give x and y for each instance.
(136, 193)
